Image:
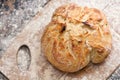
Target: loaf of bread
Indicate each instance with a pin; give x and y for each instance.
(75, 37)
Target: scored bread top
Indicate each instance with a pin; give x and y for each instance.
(75, 36)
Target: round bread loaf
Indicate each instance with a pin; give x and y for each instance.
(75, 36)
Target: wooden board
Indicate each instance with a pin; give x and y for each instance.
(40, 68)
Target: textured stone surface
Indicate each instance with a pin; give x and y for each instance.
(13, 21)
(17, 28)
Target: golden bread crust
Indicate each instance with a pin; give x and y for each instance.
(75, 36)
